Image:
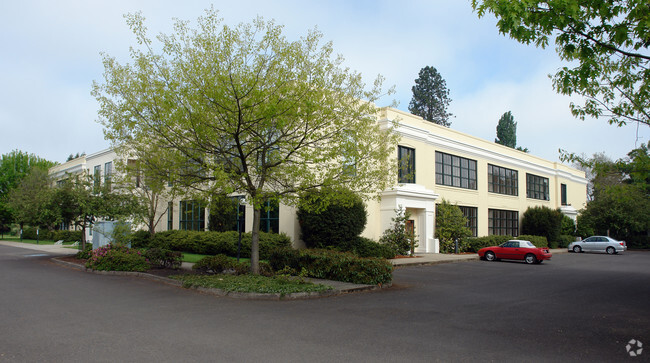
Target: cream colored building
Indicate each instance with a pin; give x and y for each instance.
(493, 185)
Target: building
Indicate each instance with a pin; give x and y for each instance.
(492, 184)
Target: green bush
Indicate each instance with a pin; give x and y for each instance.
(332, 265)
(117, 258)
(538, 241)
(337, 224)
(542, 221)
(214, 264)
(473, 244)
(161, 258)
(214, 243)
(565, 240)
(86, 253)
(140, 239)
(365, 247)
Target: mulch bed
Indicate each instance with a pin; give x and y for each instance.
(163, 272)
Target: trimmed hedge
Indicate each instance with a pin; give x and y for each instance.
(332, 265)
(473, 244)
(44, 234)
(538, 241)
(161, 258)
(365, 247)
(214, 243)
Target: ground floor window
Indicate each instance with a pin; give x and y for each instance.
(191, 216)
(503, 222)
(170, 216)
(270, 218)
(471, 213)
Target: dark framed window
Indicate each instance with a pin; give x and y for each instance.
(503, 222)
(270, 219)
(503, 180)
(455, 171)
(406, 163)
(97, 178)
(536, 187)
(471, 213)
(563, 194)
(191, 216)
(170, 216)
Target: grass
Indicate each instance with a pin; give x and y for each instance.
(32, 241)
(251, 283)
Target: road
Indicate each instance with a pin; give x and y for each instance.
(576, 307)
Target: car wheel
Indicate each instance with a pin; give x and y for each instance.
(490, 256)
(530, 258)
(610, 250)
(577, 249)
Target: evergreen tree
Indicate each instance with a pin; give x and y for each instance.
(507, 131)
(431, 97)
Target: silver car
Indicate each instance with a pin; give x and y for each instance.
(598, 244)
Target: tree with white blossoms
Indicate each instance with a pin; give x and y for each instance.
(244, 110)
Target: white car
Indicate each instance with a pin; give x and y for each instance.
(598, 244)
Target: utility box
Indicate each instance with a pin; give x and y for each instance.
(103, 233)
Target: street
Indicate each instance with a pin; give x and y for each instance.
(576, 307)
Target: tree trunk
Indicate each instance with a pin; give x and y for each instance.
(83, 237)
(255, 242)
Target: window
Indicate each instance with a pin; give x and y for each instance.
(406, 163)
(503, 222)
(170, 216)
(240, 213)
(563, 194)
(108, 171)
(270, 219)
(191, 216)
(455, 171)
(503, 180)
(132, 167)
(472, 220)
(536, 187)
(97, 178)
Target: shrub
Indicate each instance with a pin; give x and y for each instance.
(565, 240)
(476, 243)
(538, 241)
(332, 265)
(66, 236)
(140, 239)
(213, 243)
(542, 221)
(365, 247)
(451, 225)
(117, 258)
(161, 258)
(214, 264)
(85, 253)
(337, 224)
(397, 238)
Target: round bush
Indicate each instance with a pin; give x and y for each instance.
(117, 258)
(337, 224)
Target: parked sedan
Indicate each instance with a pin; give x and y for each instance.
(598, 244)
(516, 250)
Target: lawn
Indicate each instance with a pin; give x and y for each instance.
(251, 283)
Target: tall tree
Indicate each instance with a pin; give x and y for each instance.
(431, 97)
(242, 109)
(606, 40)
(32, 200)
(507, 131)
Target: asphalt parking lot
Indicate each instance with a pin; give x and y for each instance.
(576, 307)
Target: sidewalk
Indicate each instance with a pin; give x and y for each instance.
(52, 249)
(422, 259)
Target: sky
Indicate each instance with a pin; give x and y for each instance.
(51, 52)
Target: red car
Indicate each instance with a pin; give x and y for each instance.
(515, 250)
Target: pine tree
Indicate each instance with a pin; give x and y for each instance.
(507, 131)
(431, 97)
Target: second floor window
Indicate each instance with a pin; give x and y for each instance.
(502, 180)
(537, 187)
(406, 164)
(455, 171)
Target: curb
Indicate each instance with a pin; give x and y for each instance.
(232, 294)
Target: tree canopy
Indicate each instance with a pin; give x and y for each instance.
(242, 109)
(431, 97)
(507, 131)
(605, 43)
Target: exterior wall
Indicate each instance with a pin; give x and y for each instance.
(419, 198)
(427, 138)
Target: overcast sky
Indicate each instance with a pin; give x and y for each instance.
(50, 54)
